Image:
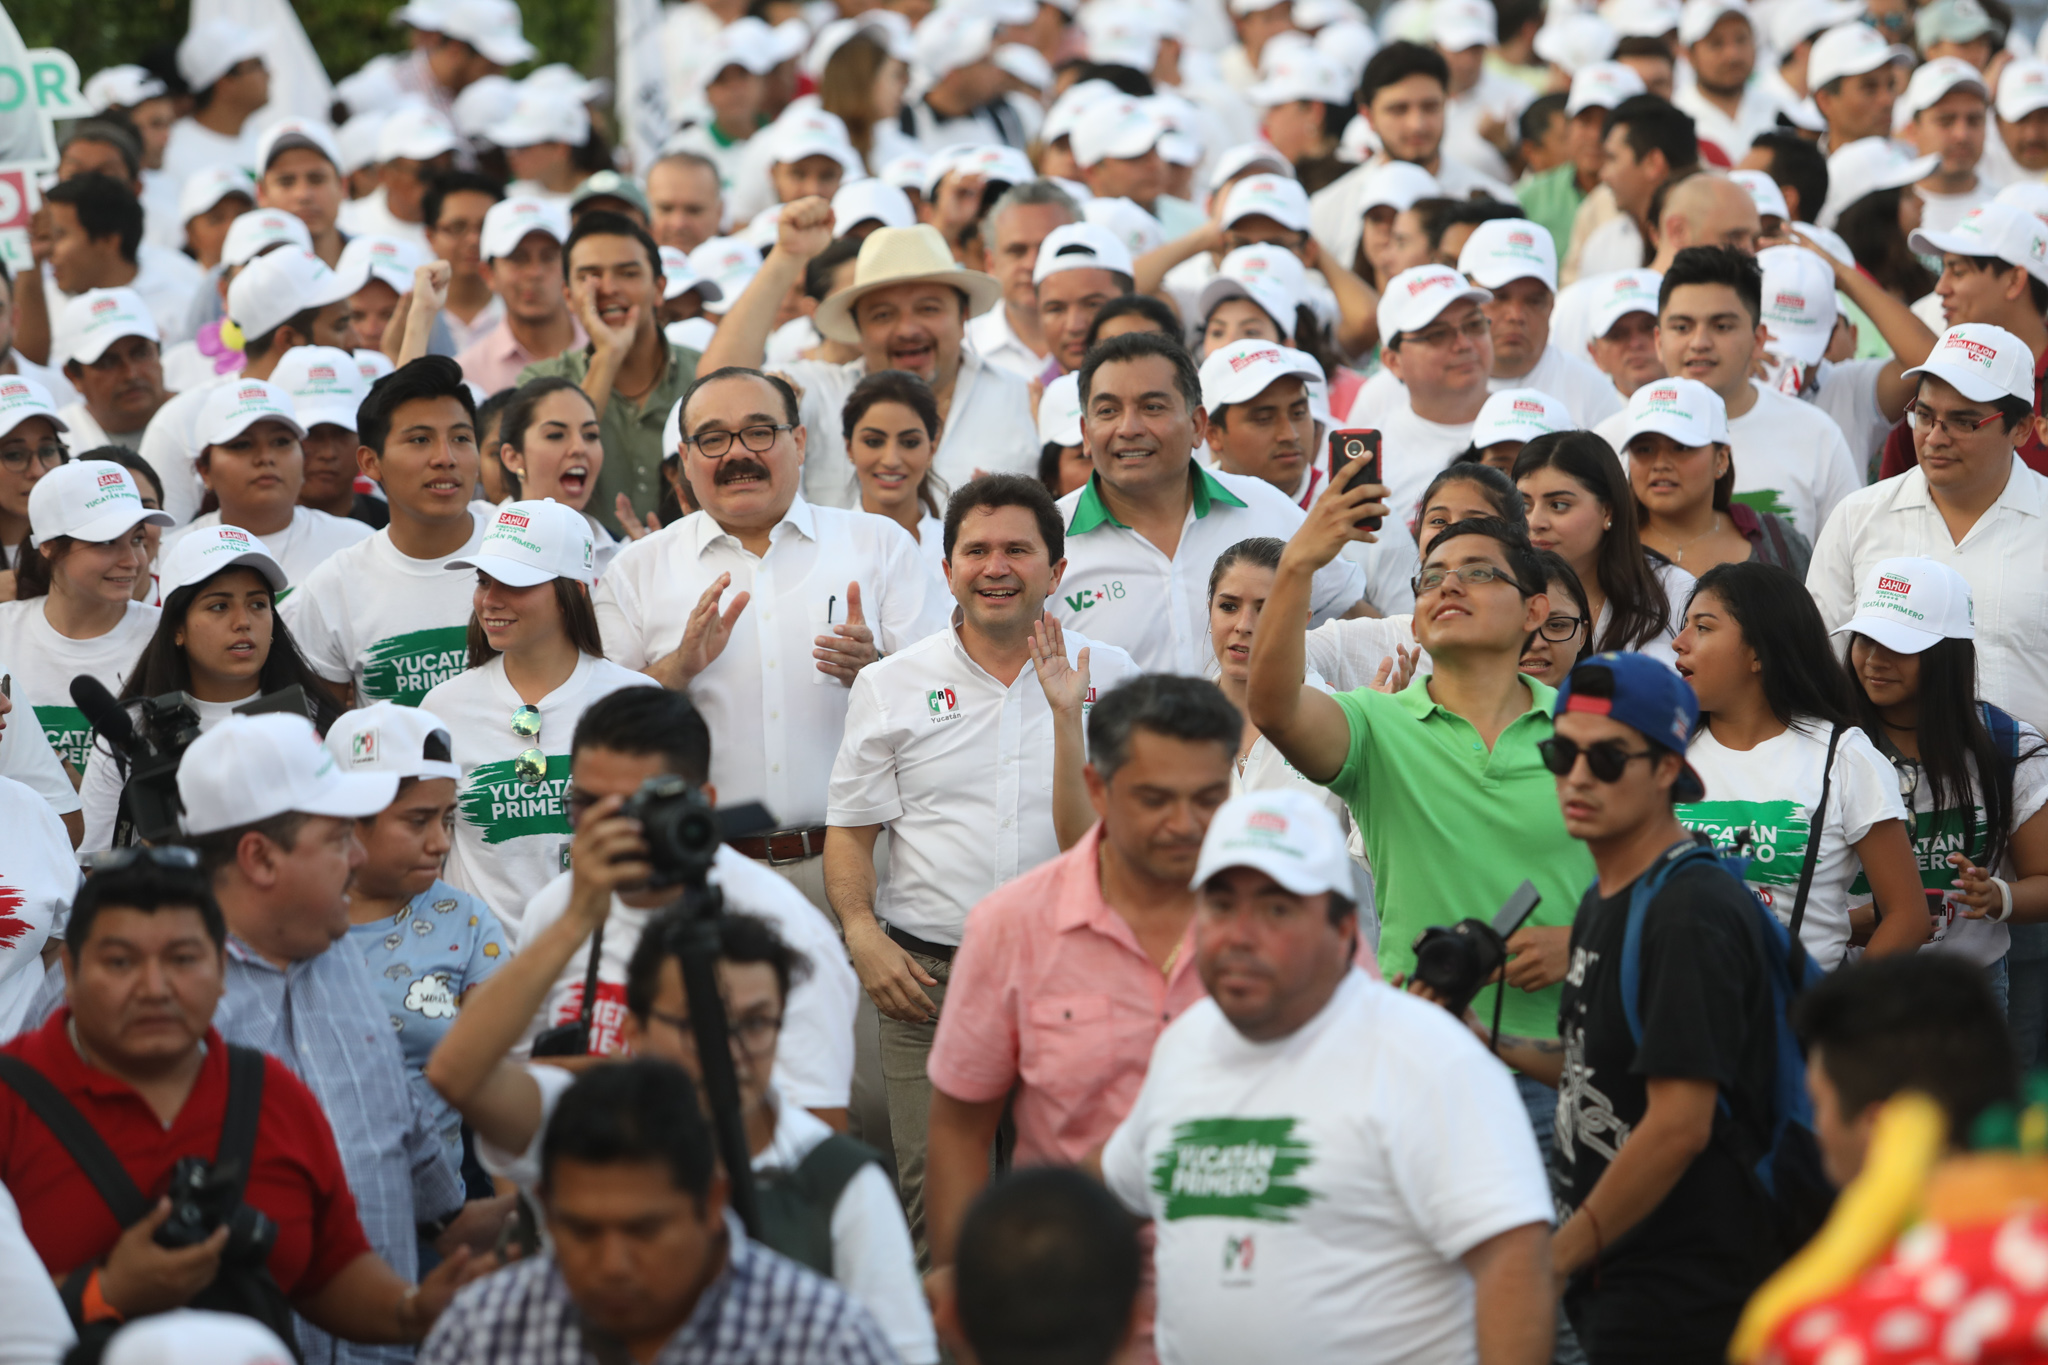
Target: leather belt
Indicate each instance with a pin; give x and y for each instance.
(782, 846)
(925, 947)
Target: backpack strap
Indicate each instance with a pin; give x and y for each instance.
(1815, 826)
(830, 1166)
(1646, 889)
(244, 1113)
(77, 1137)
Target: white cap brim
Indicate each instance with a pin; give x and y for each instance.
(348, 796)
(511, 572)
(1967, 382)
(1894, 634)
(110, 526)
(259, 560)
(1665, 424)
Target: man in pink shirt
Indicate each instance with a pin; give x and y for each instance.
(522, 262)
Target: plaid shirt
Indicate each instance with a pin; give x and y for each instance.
(762, 1310)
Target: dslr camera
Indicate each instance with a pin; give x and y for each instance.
(203, 1198)
(1455, 961)
(683, 830)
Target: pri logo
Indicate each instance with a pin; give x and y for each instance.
(1975, 352)
(512, 519)
(235, 537)
(1894, 585)
(941, 700)
(1238, 362)
(113, 478)
(363, 748)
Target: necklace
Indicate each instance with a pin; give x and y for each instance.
(1678, 555)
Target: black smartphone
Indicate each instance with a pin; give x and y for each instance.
(1360, 449)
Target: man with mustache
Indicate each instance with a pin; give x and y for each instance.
(763, 609)
(111, 356)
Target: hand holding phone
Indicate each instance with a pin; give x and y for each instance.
(1356, 453)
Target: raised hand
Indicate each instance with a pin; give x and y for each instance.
(804, 229)
(1397, 670)
(1330, 524)
(704, 636)
(1065, 684)
(851, 645)
(629, 520)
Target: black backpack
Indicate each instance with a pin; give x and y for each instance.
(245, 1290)
(796, 1205)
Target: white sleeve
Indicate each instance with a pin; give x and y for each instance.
(1389, 564)
(26, 756)
(1840, 475)
(864, 790)
(2030, 778)
(872, 1260)
(523, 1168)
(99, 794)
(1336, 589)
(38, 1329)
(910, 610)
(1865, 787)
(1831, 577)
(318, 638)
(1123, 1156)
(166, 444)
(814, 1058)
(618, 619)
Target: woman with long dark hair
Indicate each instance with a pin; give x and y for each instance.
(1579, 504)
(891, 424)
(1682, 473)
(863, 83)
(550, 444)
(1775, 708)
(151, 487)
(1974, 779)
(1877, 227)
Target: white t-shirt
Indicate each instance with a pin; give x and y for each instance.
(99, 789)
(1313, 1195)
(1677, 585)
(814, 1059)
(1573, 380)
(44, 663)
(1847, 391)
(509, 837)
(1941, 212)
(1772, 790)
(1615, 245)
(26, 756)
(311, 540)
(392, 626)
(38, 875)
(171, 444)
(1414, 450)
(1347, 653)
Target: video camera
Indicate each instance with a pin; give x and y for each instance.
(149, 738)
(1455, 961)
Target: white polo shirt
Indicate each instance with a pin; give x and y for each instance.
(989, 427)
(997, 343)
(1119, 588)
(2004, 558)
(775, 719)
(960, 769)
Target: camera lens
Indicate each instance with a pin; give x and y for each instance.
(1354, 449)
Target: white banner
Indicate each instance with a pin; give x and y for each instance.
(298, 82)
(642, 102)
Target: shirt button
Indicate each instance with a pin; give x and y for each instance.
(1475, 743)
(771, 664)
(775, 715)
(774, 767)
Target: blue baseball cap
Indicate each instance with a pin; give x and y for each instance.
(1644, 695)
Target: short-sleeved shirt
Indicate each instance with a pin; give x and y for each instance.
(630, 430)
(1452, 828)
(43, 663)
(38, 876)
(296, 1177)
(1679, 1276)
(311, 540)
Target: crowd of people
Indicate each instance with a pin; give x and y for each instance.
(1143, 526)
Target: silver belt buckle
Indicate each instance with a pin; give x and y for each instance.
(803, 840)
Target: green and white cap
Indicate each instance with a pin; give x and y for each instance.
(388, 738)
(249, 768)
(326, 385)
(97, 318)
(1911, 604)
(233, 407)
(1686, 410)
(204, 551)
(532, 542)
(92, 500)
(1288, 835)
(22, 398)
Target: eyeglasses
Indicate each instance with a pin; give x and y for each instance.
(531, 766)
(756, 1033)
(16, 458)
(1923, 419)
(1909, 778)
(712, 445)
(169, 857)
(1472, 328)
(1606, 760)
(1560, 628)
(1471, 575)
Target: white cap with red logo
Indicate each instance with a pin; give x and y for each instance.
(1418, 296)
(276, 288)
(1764, 193)
(389, 738)
(508, 221)
(93, 500)
(1631, 291)
(1603, 85)
(233, 407)
(188, 1336)
(2022, 88)
(97, 318)
(1279, 197)
(21, 399)
(1686, 410)
(1246, 368)
(1519, 415)
(1910, 604)
(1288, 834)
(1059, 411)
(1081, 246)
(203, 551)
(258, 230)
(1983, 363)
(533, 542)
(1508, 249)
(249, 768)
(326, 385)
(2003, 230)
(1799, 302)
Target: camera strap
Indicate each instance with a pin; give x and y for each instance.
(1815, 826)
(590, 970)
(78, 1138)
(244, 1112)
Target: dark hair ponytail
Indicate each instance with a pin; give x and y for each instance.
(1802, 677)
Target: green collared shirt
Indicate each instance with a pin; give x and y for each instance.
(1091, 511)
(1451, 827)
(1552, 199)
(630, 431)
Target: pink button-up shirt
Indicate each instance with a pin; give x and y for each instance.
(1051, 987)
(493, 361)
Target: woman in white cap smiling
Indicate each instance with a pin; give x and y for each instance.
(536, 663)
(1975, 779)
(31, 445)
(75, 611)
(549, 445)
(219, 640)
(253, 467)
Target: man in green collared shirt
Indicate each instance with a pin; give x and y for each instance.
(630, 371)
(1443, 778)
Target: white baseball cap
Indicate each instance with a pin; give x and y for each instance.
(2028, 196)
(1059, 411)
(325, 385)
(678, 279)
(390, 259)
(415, 132)
(1120, 35)
(950, 38)
(1066, 112)
(1686, 410)
(92, 500)
(1279, 197)
(209, 185)
(1603, 85)
(188, 1336)
(1506, 249)
(278, 287)
(1244, 369)
(1396, 185)
(534, 542)
(1830, 241)
(1618, 295)
(1300, 72)
(2009, 233)
(1575, 41)
(1288, 834)
(1455, 25)
(1866, 166)
(990, 161)
(906, 170)
(22, 398)
(97, 318)
(1081, 246)
(1137, 229)
(872, 200)
(1027, 64)
(385, 737)
(121, 87)
(1845, 50)
(1982, 362)
(214, 48)
(233, 407)
(1270, 276)
(203, 551)
(2022, 88)
(812, 132)
(748, 43)
(1519, 415)
(373, 365)
(1793, 24)
(1764, 193)
(543, 116)
(508, 221)
(1909, 604)
(483, 104)
(1118, 130)
(1799, 302)
(287, 134)
(257, 231)
(730, 263)
(249, 768)
(489, 26)
(1235, 161)
(886, 27)
(1697, 19)
(1933, 82)
(1641, 18)
(1417, 296)
(1244, 7)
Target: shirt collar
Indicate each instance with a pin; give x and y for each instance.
(2025, 492)
(801, 515)
(1416, 701)
(1091, 512)
(1081, 904)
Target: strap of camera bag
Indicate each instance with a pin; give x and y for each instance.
(596, 960)
(244, 1113)
(77, 1137)
(1814, 828)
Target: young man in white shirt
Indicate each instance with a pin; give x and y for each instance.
(907, 309)
(1401, 1216)
(1464, 32)
(1438, 341)
(1144, 531)
(1946, 105)
(950, 743)
(221, 62)
(1009, 336)
(1646, 144)
(1080, 267)
(1790, 457)
(1516, 260)
(811, 596)
(1727, 108)
(384, 620)
(1970, 503)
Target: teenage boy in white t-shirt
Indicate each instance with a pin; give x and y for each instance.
(382, 619)
(1400, 1216)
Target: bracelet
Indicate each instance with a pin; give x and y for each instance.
(2005, 897)
(93, 1305)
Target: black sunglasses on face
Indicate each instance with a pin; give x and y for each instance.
(1607, 760)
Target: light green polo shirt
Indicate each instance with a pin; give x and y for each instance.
(1451, 829)
(1552, 199)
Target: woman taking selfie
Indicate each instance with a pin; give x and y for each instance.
(549, 442)
(1683, 476)
(891, 423)
(1780, 754)
(535, 663)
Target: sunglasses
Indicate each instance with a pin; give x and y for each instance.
(531, 766)
(170, 857)
(1606, 760)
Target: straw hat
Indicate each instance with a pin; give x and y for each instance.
(912, 255)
